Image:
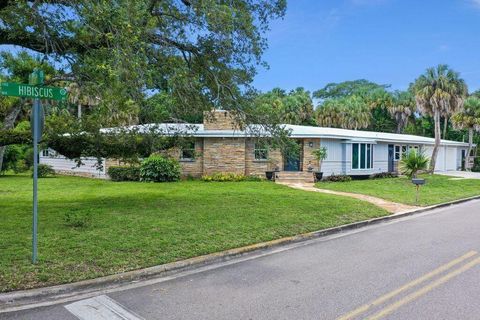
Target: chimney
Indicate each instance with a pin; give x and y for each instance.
(220, 120)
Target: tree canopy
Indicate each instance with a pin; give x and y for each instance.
(202, 53)
(359, 87)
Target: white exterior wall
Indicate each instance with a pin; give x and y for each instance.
(334, 162)
(64, 165)
(380, 160)
(380, 157)
(448, 158)
(339, 158)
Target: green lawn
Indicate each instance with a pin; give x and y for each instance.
(437, 189)
(138, 225)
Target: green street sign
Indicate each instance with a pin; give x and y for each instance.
(36, 92)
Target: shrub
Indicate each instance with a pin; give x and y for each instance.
(78, 219)
(125, 173)
(384, 175)
(412, 163)
(159, 169)
(44, 170)
(337, 178)
(14, 158)
(229, 177)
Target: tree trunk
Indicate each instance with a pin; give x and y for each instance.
(469, 150)
(79, 111)
(445, 126)
(8, 123)
(438, 132)
(399, 126)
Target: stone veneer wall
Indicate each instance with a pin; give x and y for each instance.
(219, 120)
(193, 168)
(223, 155)
(258, 167)
(307, 154)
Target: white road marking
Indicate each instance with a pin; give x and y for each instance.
(100, 308)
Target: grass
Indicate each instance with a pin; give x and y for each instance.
(438, 189)
(137, 225)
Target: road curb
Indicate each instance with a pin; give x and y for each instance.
(21, 299)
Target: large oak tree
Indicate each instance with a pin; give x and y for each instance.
(204, 53)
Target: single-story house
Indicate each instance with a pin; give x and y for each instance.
(217, 146)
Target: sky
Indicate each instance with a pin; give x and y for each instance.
(384, 41)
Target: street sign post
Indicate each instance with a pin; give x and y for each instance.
(36, 91)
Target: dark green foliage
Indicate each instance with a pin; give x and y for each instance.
(124, 173)
(77, 218)
(230, 177)
(412, 163)
(202, 53)
(360, 87)
(8, 137)
(278, 106)
(383, 175)
(44, 170)
(159, 169)
(18, 158)
(337, 178)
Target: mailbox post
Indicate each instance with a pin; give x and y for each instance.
(417, 182)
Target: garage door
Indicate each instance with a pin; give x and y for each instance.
(440, 165)
(451, 158)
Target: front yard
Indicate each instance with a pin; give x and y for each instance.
(438, 189)
(135, 225)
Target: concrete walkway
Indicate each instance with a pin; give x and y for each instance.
(460, 174)
(392, 207)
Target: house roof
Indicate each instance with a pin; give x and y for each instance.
(296, 131)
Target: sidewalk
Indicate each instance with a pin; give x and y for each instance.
(392, 207)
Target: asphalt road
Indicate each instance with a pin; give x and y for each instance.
(423, 267)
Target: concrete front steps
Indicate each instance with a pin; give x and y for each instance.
(294, 177)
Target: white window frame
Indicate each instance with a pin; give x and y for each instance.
(260, 147)
(366, 157)
(397, 152)
(401, 150)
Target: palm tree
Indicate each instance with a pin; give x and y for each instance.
(413, 162)
(357, 113)
(77, 97)
(468, 118)
(348, 113)
(401, 108)
(440, 91)
(330, 114)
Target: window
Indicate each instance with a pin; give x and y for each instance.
(404, 151)
(45, 153)
(362, 156)
(397, 152)
(261, 151)
(188, 151)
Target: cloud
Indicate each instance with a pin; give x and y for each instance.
(475, 3)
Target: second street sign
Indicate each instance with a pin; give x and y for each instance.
(29, 91)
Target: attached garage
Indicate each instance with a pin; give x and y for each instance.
(451, 158)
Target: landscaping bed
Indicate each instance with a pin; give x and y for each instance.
(90, 228)
(438, 189)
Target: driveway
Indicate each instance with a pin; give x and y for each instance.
(422, 267)
(461, 174)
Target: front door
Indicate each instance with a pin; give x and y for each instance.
(391, 157)
(292, 159)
